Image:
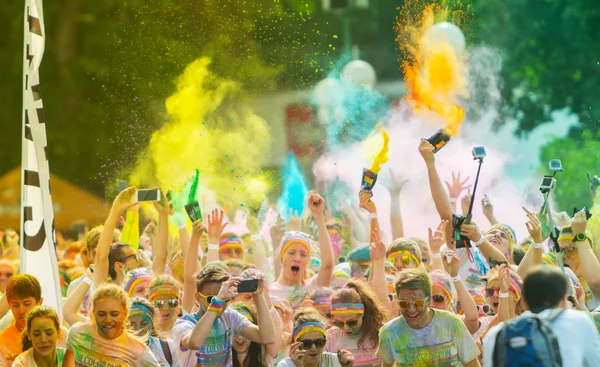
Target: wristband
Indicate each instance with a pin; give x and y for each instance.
(373, 215)
(216, 306)
(212, 246)
(436, 255)
(480, 241)
(452, 200)
(503, 295)
(87, 281)
(456, 278)
(537, 245)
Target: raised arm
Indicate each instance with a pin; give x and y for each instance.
(277, 231)
(488, 210)
(590, 267)
(160, 249)
(436, 240)
(379, 283)
(74, 301)
(190, 267)
(471, 319)
(123, 201)
(215, 228)
(533, 256)
(456, 188)
(472, 232)
(264, 333)
(367, 204)
(438, 194)
(316, 204)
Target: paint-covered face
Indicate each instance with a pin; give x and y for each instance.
(43, 336)
(482, 308)
(229, 252)
(208, 290)
(241, 344)
(20, 307)
(313, 354)
(295, 261)
(141, 289)
(571, 258)
(234, 270)
(499, 239)
(109, 315)
(414, 306)
(350, 324)
(493, 298)
(140, 323)
(359, 269)
(403, 261)
(168, 309)
(439, 298)
(6, 272)
(176, 267)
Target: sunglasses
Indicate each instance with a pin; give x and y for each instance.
(6, 274)
(173, 302)
(207, 298)
(135, 255)
(406, 260)
(438, 298)
(341, 324)
(491, 291)
(308, 343)
(418, 303)
(485, 308)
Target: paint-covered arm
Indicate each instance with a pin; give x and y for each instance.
(533, 256)
(159, 262)
(316, 204)
(274, 348)
(277, 231)
(471, 319)
(190, 267)
(265, 332)
(488, 210)
(215, 228)
(367, 204)
(377, 275)
(4, 308)
(590, 267)
(438, 193)
(74, 301)
(489, 251)
(122, 202)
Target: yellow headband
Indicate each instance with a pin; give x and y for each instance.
(294, 240)
(405, 253)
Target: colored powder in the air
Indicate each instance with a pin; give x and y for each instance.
(434, 73)
(295, 188)
(212, 129)
(194, 187)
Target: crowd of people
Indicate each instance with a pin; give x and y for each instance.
(311, 291)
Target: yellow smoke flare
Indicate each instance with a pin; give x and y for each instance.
(210, 128)
(382, 156)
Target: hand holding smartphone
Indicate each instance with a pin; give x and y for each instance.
(147, 195)
(247, 286)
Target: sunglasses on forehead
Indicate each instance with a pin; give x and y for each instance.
(173, 302)
(135, 255)
(418, 303)
(308, 343)
(491, 291)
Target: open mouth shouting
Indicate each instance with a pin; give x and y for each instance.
(295, 269)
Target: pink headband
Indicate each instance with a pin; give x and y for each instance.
(347, 308)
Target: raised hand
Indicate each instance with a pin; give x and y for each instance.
(198, 227)
(486, 205)
(215, 225)
(229, 289)
(316, 204)
(377, 247)
(277, 231)
(534, 226)
(504, 278)
(471, 231)
(162, 206)
(436, 239)
(125, 200)
(426, 150)
(294, 222)
(457, 186)
(366, 203)
(465, 202)
(579, 222)
(451, 263)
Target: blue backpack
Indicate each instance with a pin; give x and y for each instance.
(528, 342)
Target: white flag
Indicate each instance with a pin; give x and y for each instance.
(38, 254)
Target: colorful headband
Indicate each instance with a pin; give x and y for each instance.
(322, 303)
(137, 277)
(566, 235)
(390, 285)
(550, 258)
(309, 327)
(510, 233)
(277, 303)
(292, 240)
(347, 308)
(163, 285)
(515, 286)
(247, 314)
(479, 299)
(140, 309)
(405, 253)
(444, 287)
(231, 242)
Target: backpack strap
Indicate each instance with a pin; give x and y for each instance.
(167, 351)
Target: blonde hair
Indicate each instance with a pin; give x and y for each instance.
(302, 316)
(38, 311)
(400, 244)
(115, 292)
(413, 279)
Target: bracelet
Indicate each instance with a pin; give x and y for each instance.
(480, 241)
(456, 278)
(216, 306)
(436, 255)
(87, 281)
(503, 295)
(373, 215)
(537, 245)
(452, 200)
(212, 246)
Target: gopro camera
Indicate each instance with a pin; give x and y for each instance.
(439, 139)
(548, 184)
(147, 195)
(556, 165)
(478, 152)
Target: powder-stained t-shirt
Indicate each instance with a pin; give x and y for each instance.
(216, 350)
(156, 348)
(327, 360)
(26, 359)
(11, 347)
(295, 294)
(92, 350)
(444, 342)
(363, 356)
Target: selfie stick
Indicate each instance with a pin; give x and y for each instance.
(469, 213)
(553, 229)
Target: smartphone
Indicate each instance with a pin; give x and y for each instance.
(193, 211)
(147, 195)
(247, 286)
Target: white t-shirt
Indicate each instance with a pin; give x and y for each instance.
(91, 350)
(327, 360)
(444, 342)
(295, 294)
(159, 354)
(471, 272)
(363, 357)
(216, 350)
(25, 359)
(578, 339)
(84, 307)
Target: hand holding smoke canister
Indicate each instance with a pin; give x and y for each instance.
(369, 177)
(193, 211)
(439, 139)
